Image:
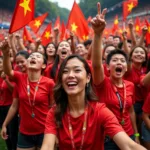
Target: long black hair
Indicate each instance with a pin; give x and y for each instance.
(60, 96)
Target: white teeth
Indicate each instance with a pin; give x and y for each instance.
(71, 83)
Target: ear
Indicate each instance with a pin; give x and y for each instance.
(88, 78)
(43, 66)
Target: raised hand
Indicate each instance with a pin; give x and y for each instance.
(124, 35)
(98, 22)
(130, 24)
(144, 30)
(4, 47)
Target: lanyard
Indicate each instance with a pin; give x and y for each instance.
(83, 129)
(29, 94)
(121, 104)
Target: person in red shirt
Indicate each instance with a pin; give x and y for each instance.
(63, 51)
(78, 120)
(116, 93)
(6, 89)
(35, 99)
(77, 115)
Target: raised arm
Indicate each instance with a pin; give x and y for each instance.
(98, 25)
(130, 24)
(144, 31)
(6, 61)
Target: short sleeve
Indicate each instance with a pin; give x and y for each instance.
(15, 92)
(50, 125)
(109, 121)
(146, 106)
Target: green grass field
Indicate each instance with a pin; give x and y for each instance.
(2, 144)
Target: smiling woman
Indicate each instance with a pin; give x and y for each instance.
(35, 99)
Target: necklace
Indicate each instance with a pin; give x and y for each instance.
(29, 94)
(83, 129)
(121, 104)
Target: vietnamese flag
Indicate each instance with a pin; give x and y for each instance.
(37, 23)
(116, 26)
(137, 25)
(63, 31)
(57, 23)
(46, 35)
(128, 6)
(148, 33)
(27, 36)
(77, 22)
(23, 14)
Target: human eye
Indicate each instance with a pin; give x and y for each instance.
(65, 71)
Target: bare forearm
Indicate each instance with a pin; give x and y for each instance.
(146, 80)
(133, 37)
(9, 84)
(11, 113)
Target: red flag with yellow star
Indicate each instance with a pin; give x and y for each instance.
(128, 6)
(116, 24)
(137, 25)
(148, 33)
(57, 23)
(37, 22)
(63, 30)
(23, 14)
(46, 35)
(77, 22)
(26, 35)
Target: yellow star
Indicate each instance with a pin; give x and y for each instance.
(130, 7)
(137, 28)
(116, 21)
(25, 38)
(74, 27)
(148, 29)
(37, 23)
(47, 35)
(120, 30)
(85, 37)
(25, 6)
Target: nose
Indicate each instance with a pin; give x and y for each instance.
(71, 74)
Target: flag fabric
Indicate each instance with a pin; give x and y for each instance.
(37, 23)
(148, 32)
(46, 34)
(116, 24)
(77, 22)
(26, 35)
(63, 31)
(57, 23)
(128, 6)
(23, 14)
(137, 25)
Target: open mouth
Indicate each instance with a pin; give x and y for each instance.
(118, 69)
(32, 62)
(63, 52)
(72, 84)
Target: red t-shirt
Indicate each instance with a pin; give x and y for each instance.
(47, 72)
(29, 125)
(106, 94)
(146, 106)
(134, 76)
(5, 94)
(106, 70)
(99, 120)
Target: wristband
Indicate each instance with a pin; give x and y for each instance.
(137, 134)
